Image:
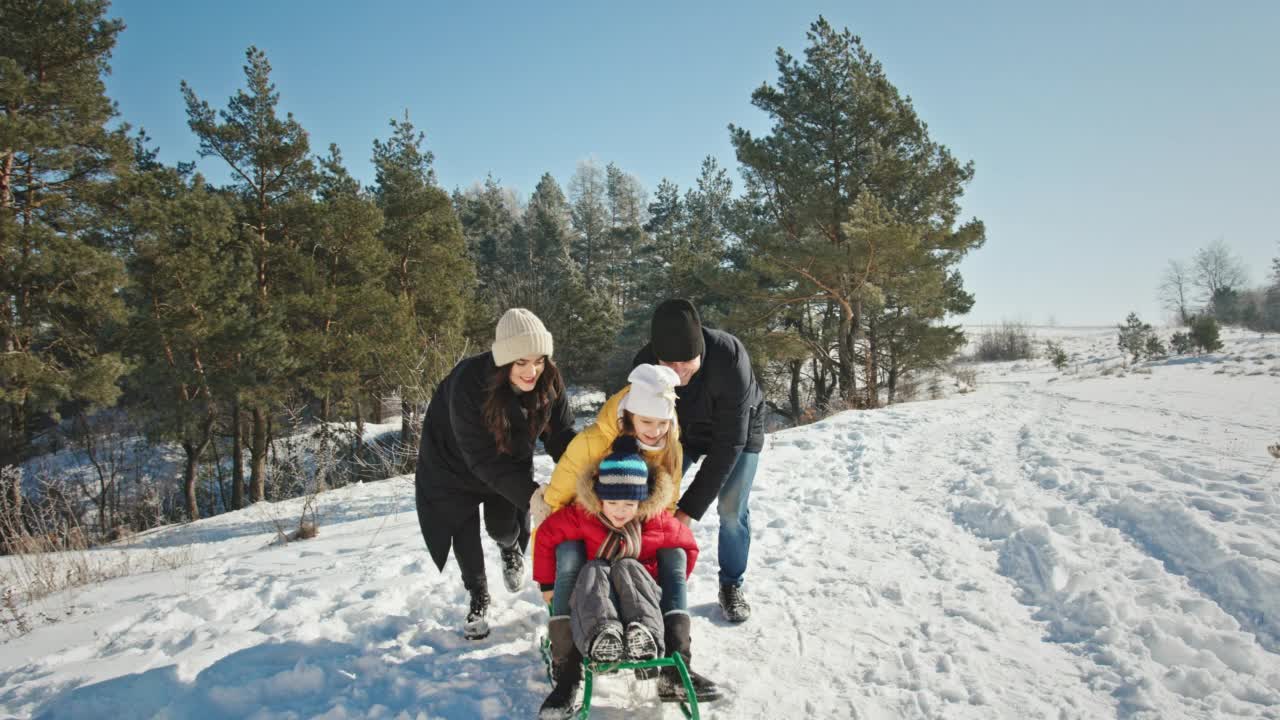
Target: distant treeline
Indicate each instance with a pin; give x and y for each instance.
(1215, 283)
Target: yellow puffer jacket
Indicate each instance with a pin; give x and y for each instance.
(583, 456)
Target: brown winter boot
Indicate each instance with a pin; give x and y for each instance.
(566, 672)
(670, 688)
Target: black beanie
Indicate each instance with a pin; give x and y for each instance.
(676, 333)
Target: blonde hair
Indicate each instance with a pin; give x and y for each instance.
(667, 455)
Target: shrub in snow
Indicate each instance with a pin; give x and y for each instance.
(1009, 341)
(1154, 348)
(1133, 337)
(1204, 333)
(1056, 354)
(15, 620)
(1181, 343)
(966, 379)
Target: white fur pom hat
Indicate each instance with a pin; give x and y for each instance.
(653, 392)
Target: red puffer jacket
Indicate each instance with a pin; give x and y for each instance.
(659, 530)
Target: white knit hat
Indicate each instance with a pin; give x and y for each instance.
(520, 334)
(653, 392)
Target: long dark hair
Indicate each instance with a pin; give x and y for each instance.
(536, 403)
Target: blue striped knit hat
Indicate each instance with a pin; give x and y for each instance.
(623, 472)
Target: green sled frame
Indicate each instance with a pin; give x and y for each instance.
(590, 669)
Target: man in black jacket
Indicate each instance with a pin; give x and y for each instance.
(720, 408)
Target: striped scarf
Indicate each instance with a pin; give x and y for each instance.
(623, 542)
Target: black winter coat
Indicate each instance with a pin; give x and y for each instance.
(721, 413)
(459, 466)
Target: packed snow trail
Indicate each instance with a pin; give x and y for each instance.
(1089, 546)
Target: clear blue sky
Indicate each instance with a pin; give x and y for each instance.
(1107, 137)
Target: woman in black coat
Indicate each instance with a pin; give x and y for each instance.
(478, 438)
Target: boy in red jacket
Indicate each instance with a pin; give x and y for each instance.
(621, 516)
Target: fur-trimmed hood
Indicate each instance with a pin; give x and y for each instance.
(662, 490)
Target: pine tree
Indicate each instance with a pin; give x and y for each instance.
(585, 325)
(590, 223)
(542, 246)
(1204, 333)
(489, 215)
(906, 292)
(186, 303)
(1181, 343)
(273, 177)
(1057, 355)
(546, 281)
(345, 334)
(431, 274)
(1271, 306)
(707, 207)
(627, 240)
(841, 130)
(1226, 306)
(57, 156)
(656, 280)
(1132, 336)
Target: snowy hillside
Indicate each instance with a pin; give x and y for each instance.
(1102, 543)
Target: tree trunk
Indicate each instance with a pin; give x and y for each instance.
(794, 392)
(194, 450)
(893, 376)
(189, 480)
(407, 423)
(237, 457)
(258, 457)
(223, 500)
(846, 378)
(855, 330)
(871, 381)
(11, 521)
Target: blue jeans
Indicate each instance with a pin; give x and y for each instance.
(572, 555)
(735, 516)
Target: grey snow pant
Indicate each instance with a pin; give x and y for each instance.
(616, 595)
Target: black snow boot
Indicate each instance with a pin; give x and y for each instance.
(512, 568)
(733, 605)
(566, 672)
(477, 625)
(670, 687)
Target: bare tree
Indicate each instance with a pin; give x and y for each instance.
(1175, 287)
(1216, 268)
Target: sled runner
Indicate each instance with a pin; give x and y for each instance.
(590, 669)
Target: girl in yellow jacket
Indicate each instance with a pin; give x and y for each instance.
(646, 408)
(637, 409)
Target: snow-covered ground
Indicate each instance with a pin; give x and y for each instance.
(1092, 544)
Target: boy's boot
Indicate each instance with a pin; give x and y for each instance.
(512, 567)
(566, 672)
(639, 643)
(477, 625)
(670, 688)
(606, 646)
